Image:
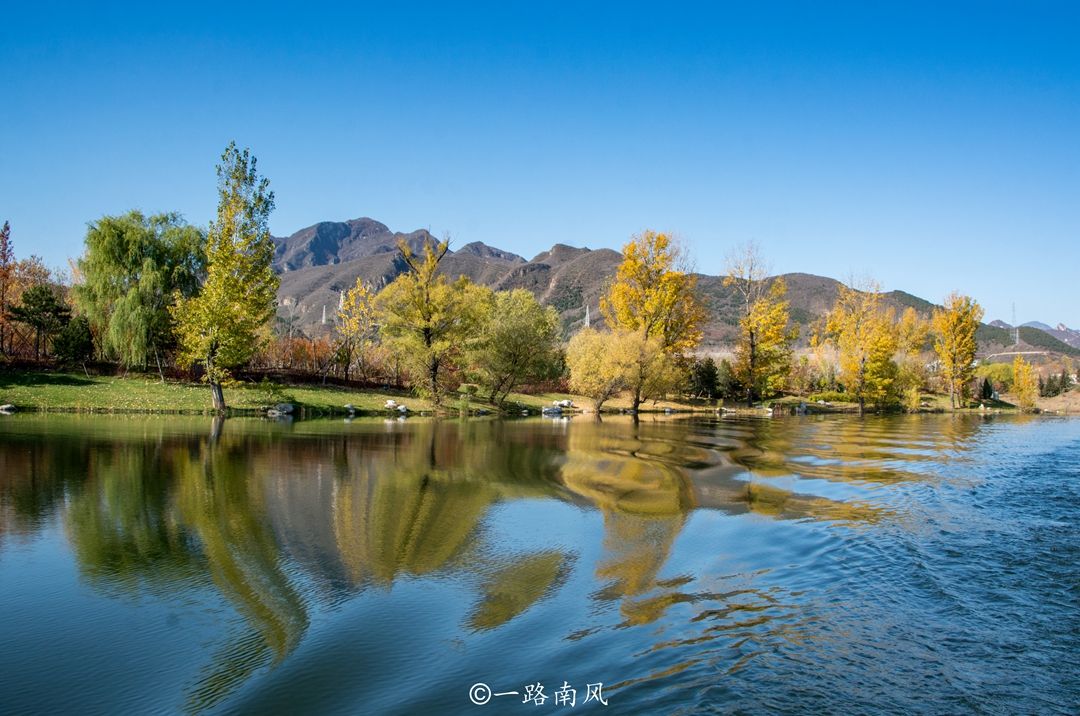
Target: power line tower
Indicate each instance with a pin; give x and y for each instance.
(1016, 328)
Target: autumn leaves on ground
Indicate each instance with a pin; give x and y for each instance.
(153, 297)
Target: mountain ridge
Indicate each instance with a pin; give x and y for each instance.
(320, 261)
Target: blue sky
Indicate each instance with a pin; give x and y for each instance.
(932, 148)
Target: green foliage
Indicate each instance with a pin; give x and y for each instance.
(224, 325)
(518, 343)
(704, 378)
(74, 343)
(428, 322)
(273, 393)
(133, 267)
(45, 312)
(1000, 375)
(833, 396)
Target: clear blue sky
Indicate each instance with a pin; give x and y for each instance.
(934, 148)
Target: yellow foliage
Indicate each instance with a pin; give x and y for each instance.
(654, 295)
(866, 337)
(763, 353)
(428, 321)
(954, 329)
(356, 322)
(1025, 383)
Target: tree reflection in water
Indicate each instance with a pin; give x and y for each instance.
(271, 516)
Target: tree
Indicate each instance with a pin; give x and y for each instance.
(654, 293)
(866, 338)
(986, 391)
(704, 381)
(427, 320)
(74, 343)
(954, 327)
(223, 326)
(356, 323)
(912, 333)
(7, 279)
(763, 351)
(42, 310)
(599, 364)
(133, 267)
(518, 342)
(1025, 384)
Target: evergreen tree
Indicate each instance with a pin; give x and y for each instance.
(704, 378)
(45, 312)
(74, 343)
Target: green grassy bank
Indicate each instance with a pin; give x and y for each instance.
(68, 391)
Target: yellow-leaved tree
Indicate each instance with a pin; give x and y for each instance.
(912, 332)
(954, 328)
(865, 336)
(428, 321)
(599, 364)
(355, 323)
(225, 323)
(763, 350)
(1025, 383)
(653, 295)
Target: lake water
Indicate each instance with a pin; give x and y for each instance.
(795, 565)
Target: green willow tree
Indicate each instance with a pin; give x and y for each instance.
(223, 326)
(132, 268)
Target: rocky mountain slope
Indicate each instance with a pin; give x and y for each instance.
(319, 262)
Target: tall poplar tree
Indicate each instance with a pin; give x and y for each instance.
(954, 327)
(223, 326)
(7, 280)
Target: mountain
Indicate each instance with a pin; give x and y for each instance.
(1037, 334)
(319, 262)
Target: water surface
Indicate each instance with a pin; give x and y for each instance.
(822, 564)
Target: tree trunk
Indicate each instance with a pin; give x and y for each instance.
(862, 406)
(433, 377)
(217, 395)
(637, 398)
(751, 373)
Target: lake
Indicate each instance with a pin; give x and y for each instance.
(926, 563)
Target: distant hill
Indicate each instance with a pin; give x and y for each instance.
(1040, 335)
(319, 262)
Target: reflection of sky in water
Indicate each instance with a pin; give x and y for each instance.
(800, 563)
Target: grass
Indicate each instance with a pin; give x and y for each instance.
(135, 393)
(145, 394)
(57, 391)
